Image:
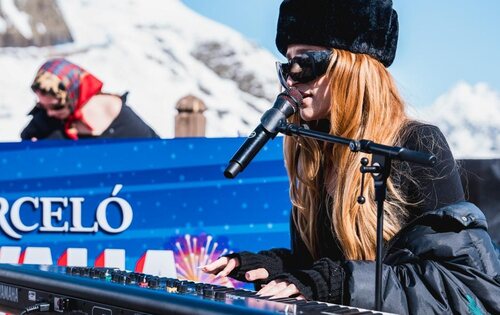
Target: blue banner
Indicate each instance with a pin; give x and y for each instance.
(140, 195)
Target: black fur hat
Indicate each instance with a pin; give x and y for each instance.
(359, 26)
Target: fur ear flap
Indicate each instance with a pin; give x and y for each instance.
(360, 26)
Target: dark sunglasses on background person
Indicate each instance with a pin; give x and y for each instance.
(37, 88)
(304, 67)
(54, 107)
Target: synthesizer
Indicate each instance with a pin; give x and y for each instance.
(108, 291)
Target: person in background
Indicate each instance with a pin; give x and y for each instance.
(70, 105)
(438, 256)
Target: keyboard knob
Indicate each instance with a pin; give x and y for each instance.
(208, 293)
(154, 282)
(183, 288)
(199, 288)
(220, 295)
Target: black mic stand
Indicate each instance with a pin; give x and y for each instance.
(382, 156)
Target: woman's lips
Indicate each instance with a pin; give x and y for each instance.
(305, 94)
(304, 98)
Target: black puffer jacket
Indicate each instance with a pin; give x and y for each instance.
(126, 125)
(443, 262)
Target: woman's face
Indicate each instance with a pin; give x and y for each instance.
(52, 106)
(316, 93)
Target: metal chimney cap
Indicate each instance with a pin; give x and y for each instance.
(191, 103)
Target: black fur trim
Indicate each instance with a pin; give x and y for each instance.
(360, 26)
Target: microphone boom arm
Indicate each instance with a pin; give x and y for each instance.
(365, 146)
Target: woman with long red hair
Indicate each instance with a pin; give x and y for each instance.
(439, 257)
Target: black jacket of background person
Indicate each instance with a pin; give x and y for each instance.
(126, 125)
(442, 262)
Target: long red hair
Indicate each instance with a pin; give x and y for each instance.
(365, 104)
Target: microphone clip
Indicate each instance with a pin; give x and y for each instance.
(373, 169)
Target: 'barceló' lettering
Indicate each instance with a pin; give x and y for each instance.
(52, 215)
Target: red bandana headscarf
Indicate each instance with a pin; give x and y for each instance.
(71, 84)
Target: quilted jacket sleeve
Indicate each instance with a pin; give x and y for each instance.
(444, 265)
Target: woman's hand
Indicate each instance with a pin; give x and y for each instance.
(221, 267)
(224, 265)
(280, 289)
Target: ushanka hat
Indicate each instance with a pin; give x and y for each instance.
(359, 26)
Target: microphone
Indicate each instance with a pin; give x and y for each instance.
(286, 105)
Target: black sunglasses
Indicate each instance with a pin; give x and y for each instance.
(305, 67)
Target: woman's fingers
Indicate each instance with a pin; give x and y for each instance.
(288, 291)
(272, 288)
(257, 274)
(221, 267)
(280, 289)
(215, 266)
(231, 264)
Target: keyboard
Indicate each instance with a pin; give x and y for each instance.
(107, 291)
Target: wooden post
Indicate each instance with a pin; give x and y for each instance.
(190, 121)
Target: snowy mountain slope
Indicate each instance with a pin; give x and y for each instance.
(158, 50)
(469, 115)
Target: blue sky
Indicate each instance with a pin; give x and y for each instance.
(442, 42)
